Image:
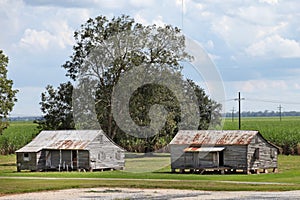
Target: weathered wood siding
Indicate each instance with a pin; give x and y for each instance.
(267, 154)
(83, 160)
(41, 160)
(28, 163)
(206, 159)
(177, 156)
(235, 156)
(55, 158)
(190, 160)
(105, 154)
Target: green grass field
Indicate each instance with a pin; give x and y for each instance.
(16, 136)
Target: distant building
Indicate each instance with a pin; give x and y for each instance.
(200, 150)
(70, 150)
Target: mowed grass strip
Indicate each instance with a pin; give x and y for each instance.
(13, 186)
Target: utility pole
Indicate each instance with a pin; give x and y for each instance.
(232, 114)
(280, 107)
(239, 100)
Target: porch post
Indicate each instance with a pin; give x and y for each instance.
(77, 159)
(60, 159)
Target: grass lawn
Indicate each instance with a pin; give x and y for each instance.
(14, 182)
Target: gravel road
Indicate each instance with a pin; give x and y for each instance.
(152, 194)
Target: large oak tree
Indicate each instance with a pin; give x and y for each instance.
(106, 50)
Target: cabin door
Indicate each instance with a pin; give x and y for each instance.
(215, 159)
(221, 158)
(196, 160)
(74, 159)
(48, 159)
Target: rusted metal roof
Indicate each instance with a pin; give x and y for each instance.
(64, 139)
(213, 137)
(204, 149)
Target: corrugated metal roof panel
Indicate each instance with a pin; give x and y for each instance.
(204, 149)
(62, 139)
(213, 137)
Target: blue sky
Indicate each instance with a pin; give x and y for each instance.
(254, 44)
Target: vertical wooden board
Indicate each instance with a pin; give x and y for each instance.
(235, 156)
(41, 160)
(66, 158)
(83, 159)
(55, 158)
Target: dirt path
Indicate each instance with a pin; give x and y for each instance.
(152, 194)
(130, 179)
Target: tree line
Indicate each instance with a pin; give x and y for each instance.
(265, 113)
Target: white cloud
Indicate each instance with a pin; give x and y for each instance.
(158, 21)
(264, 94)
(10, 20)
(62, 33)
(213, 57)
(233, 31)
(142, 4)
(261, 85)
(275, 46)
(270, 30)
(210, 44)
(271, 2)
(254, 15)
(34, 40)
(297, 86)
(182, 4)
(140, 19)
(59, 36)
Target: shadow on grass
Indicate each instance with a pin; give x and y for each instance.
(7, 164)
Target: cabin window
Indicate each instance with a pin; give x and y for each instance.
(272, 153)
(101, 156)
(118, 155)
(26, 156)
(101, 139)
(256, 153)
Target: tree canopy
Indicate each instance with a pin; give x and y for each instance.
(7, 93)
(105, 52)
(56, 104)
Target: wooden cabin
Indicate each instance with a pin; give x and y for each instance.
(70, 150)
(232, 150)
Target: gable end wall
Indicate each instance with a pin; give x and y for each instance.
(266, 159)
